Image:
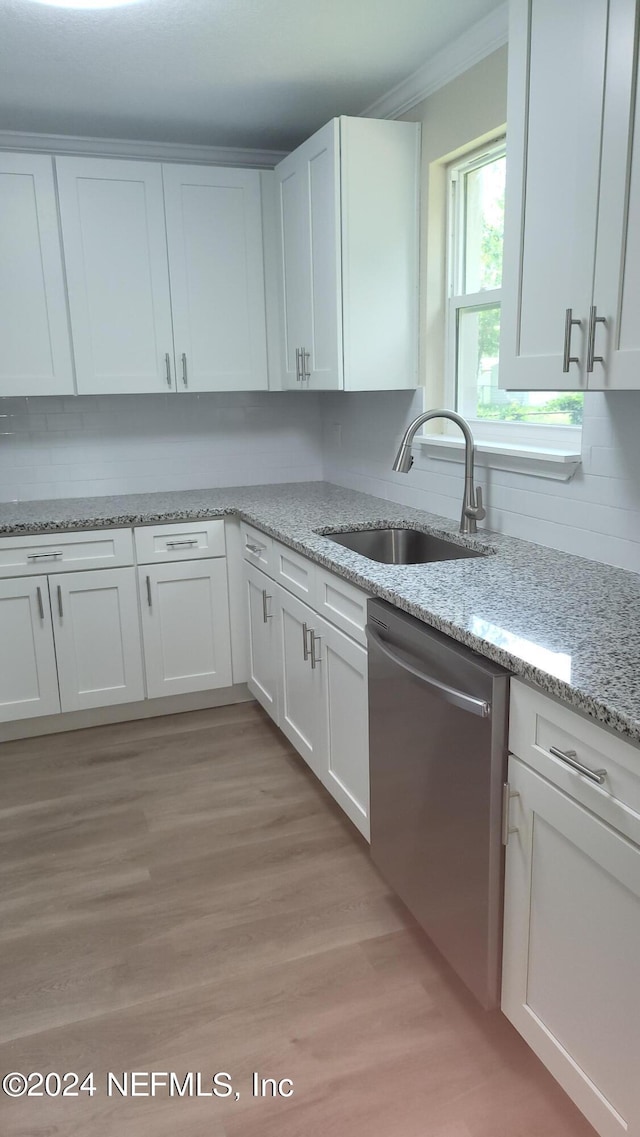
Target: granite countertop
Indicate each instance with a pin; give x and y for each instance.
(569, 625)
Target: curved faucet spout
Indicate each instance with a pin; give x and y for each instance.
(472, 508)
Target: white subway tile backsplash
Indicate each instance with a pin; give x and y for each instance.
(97, 445)
(596, 514)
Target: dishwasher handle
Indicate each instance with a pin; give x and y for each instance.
(450, 695)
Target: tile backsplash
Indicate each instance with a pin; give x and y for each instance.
(595, 515)
(108, 444)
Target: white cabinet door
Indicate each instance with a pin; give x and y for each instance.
(264, 661)
(185, 626)
(295, 262)
(309, 198)
(97, 635)
(36, 354)
(214, 235)
(343, 664)
(28, 678)
(616, 291)
(571, 949)
(115, 251)
(301, 703)
(557, 58)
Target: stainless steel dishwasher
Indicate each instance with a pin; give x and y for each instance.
(438, 753)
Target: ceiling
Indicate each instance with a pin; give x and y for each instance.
(248, 73)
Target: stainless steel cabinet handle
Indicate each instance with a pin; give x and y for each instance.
(187, 543)
(184, 370)
(315, 659)
(298, 368)
(40, 604)
(507, 829)
(442, 690)
(44, 556)
(569, 323)
(257, 549)
(60, 611)
(167, 364)
(149, 591)
(594, 319)
(306, 374)
(571, 759)
(265, 615)
(305, 641)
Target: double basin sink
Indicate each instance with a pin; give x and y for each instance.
(402, 546)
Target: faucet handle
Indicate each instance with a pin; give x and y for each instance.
(479, 512)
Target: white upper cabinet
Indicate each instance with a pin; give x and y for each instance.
(36, 355)
(571, 280)
(616, 292)
(113, 230)
(214, 234)
(348, 220)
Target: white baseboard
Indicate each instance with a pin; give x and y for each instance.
(125, 712)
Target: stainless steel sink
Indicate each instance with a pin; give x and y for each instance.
(401, 546)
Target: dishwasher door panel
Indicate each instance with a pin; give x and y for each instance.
(436, 792)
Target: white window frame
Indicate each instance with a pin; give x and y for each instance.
(558, 445)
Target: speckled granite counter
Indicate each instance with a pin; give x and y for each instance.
(569, 625)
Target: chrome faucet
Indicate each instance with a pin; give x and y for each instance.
(472, 508)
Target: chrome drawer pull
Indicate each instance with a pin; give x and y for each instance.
(571, 759)
(594, 319)
(305, 643)
(149, 591)
(167, 365)
(184, 370)
(257, 549)
(40, 604)
(507, 829)
(306, 374)
(182, 544)
(265, 615)
(569, 323)
(298, 368)
(60, 611)
(44, 556)
(315, 659)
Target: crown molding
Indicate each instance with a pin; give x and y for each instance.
(126, 148)
(473, 45)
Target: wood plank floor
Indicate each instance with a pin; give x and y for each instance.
(179, 894)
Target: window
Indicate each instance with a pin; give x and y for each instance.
(474, 280)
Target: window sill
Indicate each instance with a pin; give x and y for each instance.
(560, 465)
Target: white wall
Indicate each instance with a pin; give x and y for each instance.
(596, 514)
(110, 444)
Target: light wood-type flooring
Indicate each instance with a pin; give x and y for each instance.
(179, 894)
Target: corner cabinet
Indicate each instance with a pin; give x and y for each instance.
(571, 280)
(165, 276)
(572, 906)
(34, 331)
(348, 202)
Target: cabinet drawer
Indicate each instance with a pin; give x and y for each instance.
(65, 552)
(294, 572)
(538, 723)
(342, 603)
(186, 540)
(257, 547)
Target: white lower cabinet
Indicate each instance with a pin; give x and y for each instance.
(572, 910)
(346, 713)
(263, 641)
(185, 626)
(301, 697)
(97, 638)
(310, 676)
(28, 677)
